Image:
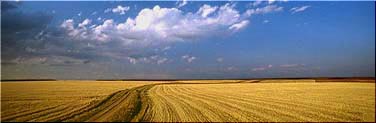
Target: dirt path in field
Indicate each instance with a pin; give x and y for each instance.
(125, 105)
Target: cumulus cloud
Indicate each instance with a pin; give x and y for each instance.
(120, 9)
(155, 26)
(188, 58)
(299, 9)
(164, 25)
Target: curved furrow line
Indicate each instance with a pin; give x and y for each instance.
(180, 107)
(123, 105)
(166, 107)
(214, 113)
(142, 103)
(162, 104)
(197, 112)
(20, 115)
(52, 113)
(102, 112)
(131, 106)
(79, 112)
(57, 116)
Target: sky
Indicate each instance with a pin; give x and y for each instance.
(186, 39)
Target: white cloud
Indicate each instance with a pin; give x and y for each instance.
(206, 10)
(299, 9)
(181, 3)
(68, 24)
(188, 58)
(84, 23)
(165, 25)
(239, 25)
(155, 59)
(264, 10)
(120, 9)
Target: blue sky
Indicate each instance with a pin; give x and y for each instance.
(187, 39)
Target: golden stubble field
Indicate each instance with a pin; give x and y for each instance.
(201, 100)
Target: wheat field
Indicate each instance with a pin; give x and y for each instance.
(188, 101)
